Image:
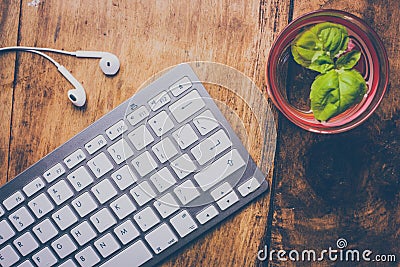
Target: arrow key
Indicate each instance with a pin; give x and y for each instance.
(207, 214)
(228, 200)
(221, 191)
(249, 186)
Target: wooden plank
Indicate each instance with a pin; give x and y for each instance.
(148, 37)
(9, 20)
(345, 185)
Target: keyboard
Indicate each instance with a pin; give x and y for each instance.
(134, 187)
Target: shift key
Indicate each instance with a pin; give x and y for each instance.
(219, 170)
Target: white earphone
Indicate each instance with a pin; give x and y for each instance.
(109, 64)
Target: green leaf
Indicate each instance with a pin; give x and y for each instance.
(304, 47)
(335, 91)
(334, 37)
(322, 64)
(321, 39)
(348, 60)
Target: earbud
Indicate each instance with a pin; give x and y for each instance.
(77, 95)
(109, 63)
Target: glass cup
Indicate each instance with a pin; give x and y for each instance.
(289, 84)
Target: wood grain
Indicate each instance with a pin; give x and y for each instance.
(326, 187)
(148, 36)
(9, 21)
(345, 185)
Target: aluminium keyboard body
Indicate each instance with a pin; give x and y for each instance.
(136, 186)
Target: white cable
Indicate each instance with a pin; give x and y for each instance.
(45, 56)
(29, 48)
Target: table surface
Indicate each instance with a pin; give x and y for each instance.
(323, 187)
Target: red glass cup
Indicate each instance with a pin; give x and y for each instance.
(283, 74)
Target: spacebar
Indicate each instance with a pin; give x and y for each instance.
(134, 255)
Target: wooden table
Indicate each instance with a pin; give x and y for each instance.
(323, 187)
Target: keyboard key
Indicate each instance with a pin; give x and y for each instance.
(137, 115)
(220, 170)
(64, 217)
(146, 218)
(103, 220)
(183, 223)
(124, 258)
(84, 204)
(123, 206)
(45, 231)
(183, 166)
(249, 186)
(161, 123)
(26, 263)
(180, 86)
(44, 258)
(140, 137)
(211, 147)
(75, 158)
(142, 193)
(166, 205)
(187, 106)
(2, 212)
(25, 244)
(6, 232)
(185, 136)
(95, 144)
(205, 122)
(60, 192)
(104, 191)
(120, 151)
(124, 177)
(116, 130)
(80, 178)
(88, 258)
(186, 192)
(164, 150)
(207, 214)
(159, 101)
(33, 187)
(228, 200)
(40, 205)
(8, 256)
(161, 238)
(163, 179)
(144, 164)
(13, 200)
(83, 233)
(221, 191)
(126, 232)
(68, 263)
(21, 219)
(63, 246)
(100, 165)
(106, 245)
(54, 172)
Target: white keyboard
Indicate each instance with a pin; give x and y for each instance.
(134, 187)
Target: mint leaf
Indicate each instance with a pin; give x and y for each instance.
(325, 38)
(348, 60)
(335, 91)
(322, 63)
